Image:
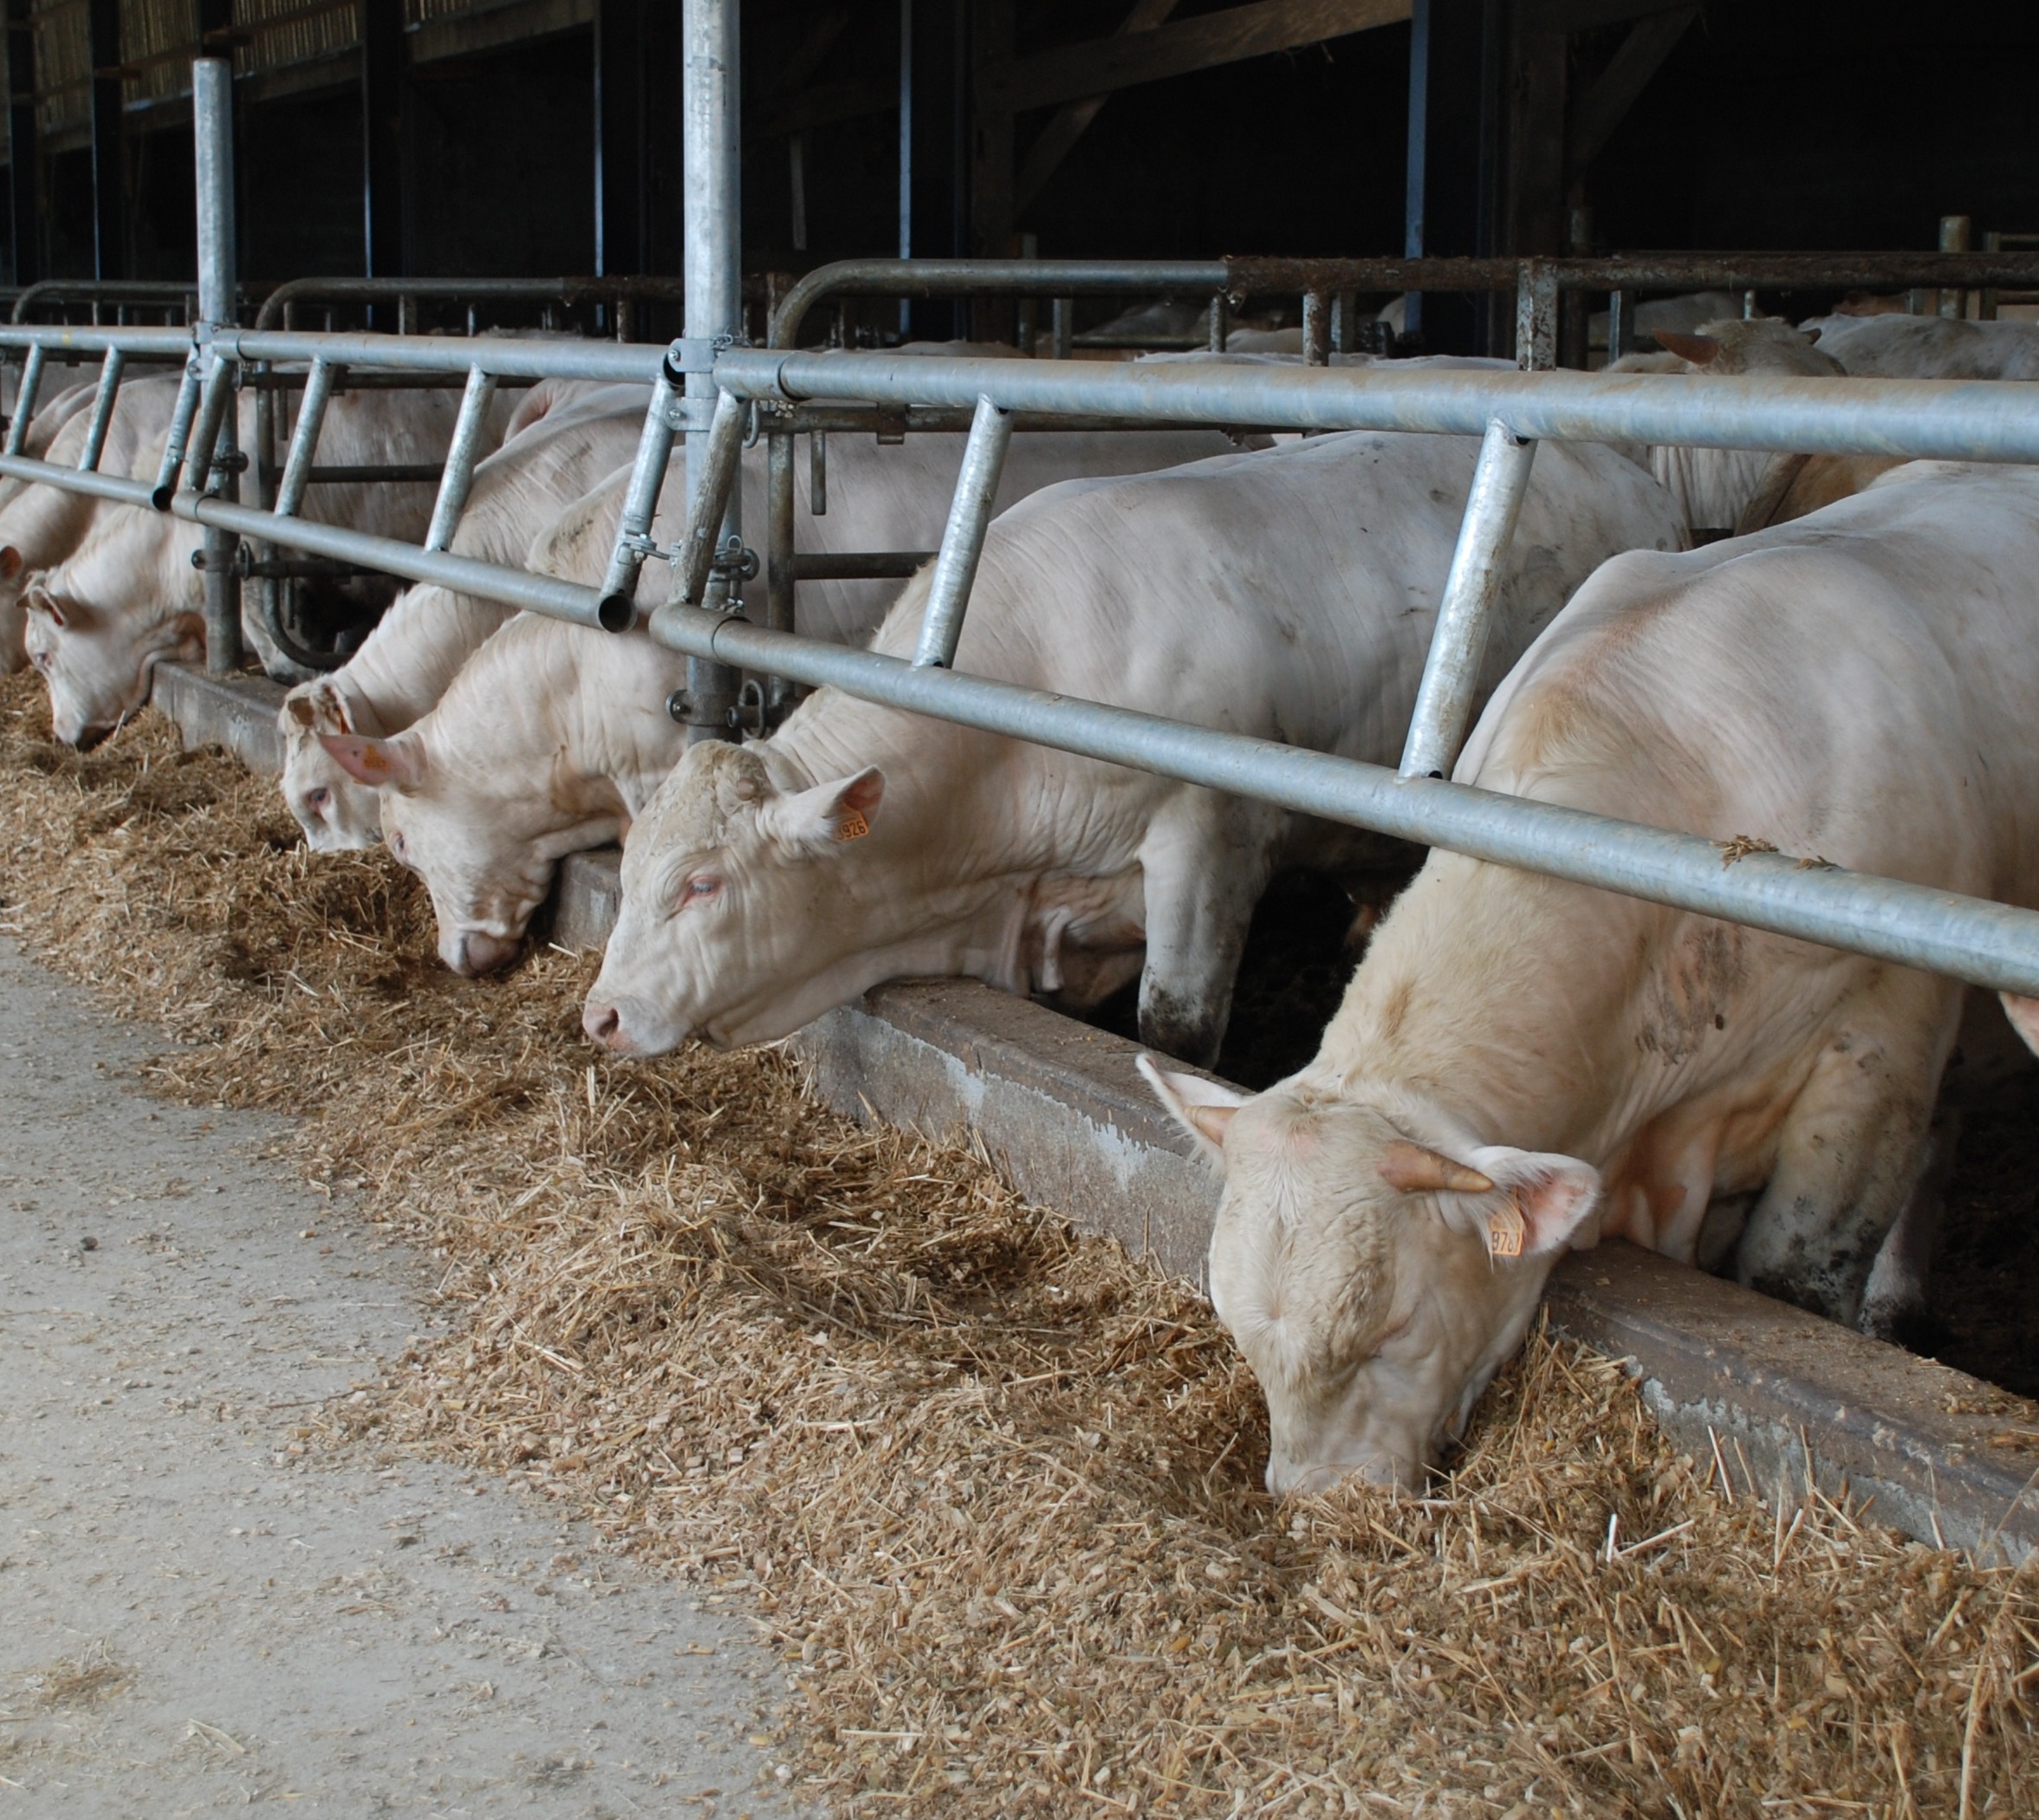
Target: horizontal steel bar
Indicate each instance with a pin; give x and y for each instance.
(1957, 421)
(861, 565)
(513, 587)
(1243, 277)
(1988, 945)
(619, 362)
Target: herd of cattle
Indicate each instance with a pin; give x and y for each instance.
(1834, 658)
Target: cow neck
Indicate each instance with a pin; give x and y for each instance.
(1487, 996)
(613, 713)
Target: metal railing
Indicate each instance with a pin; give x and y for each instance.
(713, 392)
(1329, 287)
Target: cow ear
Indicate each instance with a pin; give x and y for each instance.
(1539, 1205)
(2024, 1017)
(1702, 350)
(397, 765)
(39, 599)
(318, 707)
(1203, 1108)
(820, 821)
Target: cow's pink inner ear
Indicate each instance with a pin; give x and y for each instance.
(1553, 1197)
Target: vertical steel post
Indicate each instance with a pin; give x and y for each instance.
(1316, 328)
(304, 440)
(641, 505)
(24, 167)
(713, 493)
(213, 122)
(109, 197)
(180, 433)
(456, 480)
(711, 98)
(1955, 233)
(905, 155)
(817, 474)
(1451, 673)
(1536, 316)
(1061, 315)
(1417, 181)
(962, 538)
(781, 591)
(102, 409)
(1620, 323)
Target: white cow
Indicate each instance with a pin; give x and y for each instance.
(1893, 346)
(40, 525)
(1714, 487)
(127, 597)
(1522, 1065)
(552, 457)
(481, 835)
(1287, 593)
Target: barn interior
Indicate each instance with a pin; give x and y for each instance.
(389, 136)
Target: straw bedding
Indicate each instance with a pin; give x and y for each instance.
(990, 1490)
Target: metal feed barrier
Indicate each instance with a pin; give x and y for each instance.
(714, 392)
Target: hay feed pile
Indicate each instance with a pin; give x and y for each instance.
(990, 1490)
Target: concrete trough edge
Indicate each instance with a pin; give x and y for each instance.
(1779, 1398)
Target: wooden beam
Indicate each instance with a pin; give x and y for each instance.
(1570, 15)
(1619, 86)
(1072, 120)
(1075, 71)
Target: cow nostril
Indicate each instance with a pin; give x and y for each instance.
(602, 1022)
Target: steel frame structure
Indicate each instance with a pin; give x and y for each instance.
(715, 392)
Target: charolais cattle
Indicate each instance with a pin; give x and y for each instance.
(1287, 593)
(40, 525)
(553, 458)
(1521, 1065)
(486, 836)
(1714, 488)
(126, 597)
(1894, 347)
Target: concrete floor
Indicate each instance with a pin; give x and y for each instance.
(190, 1614)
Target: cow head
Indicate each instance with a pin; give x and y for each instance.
(97, 663)
(733, 926)
(335, 811)
(484, 839)
(1374, 1268)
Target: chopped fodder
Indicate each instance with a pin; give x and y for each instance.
(991, 1490)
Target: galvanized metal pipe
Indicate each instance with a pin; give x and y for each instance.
(458, 480)
(1988, 945)
(1536, 316)
(24, 399)
(641, 503)
(212, 126)
(304, 438)
(712, 468)
(1955, 421)
(781, 577)
(1316, 328)
(1465, 614)
(171, 469)
(962, 538)
(102, 408)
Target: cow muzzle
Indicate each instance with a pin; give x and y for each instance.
(473, 952)
(625, 1026)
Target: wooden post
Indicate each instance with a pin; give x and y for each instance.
(109, 175)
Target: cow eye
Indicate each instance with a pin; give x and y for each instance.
(700, 889)
(397, 844)
(318, 799)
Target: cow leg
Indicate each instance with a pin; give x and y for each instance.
(1853, 1151)
(1896, 1294)
(1205, 861)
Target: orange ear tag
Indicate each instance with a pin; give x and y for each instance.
(1506, 1230)
(852, 826)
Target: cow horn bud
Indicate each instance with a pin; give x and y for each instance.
(1417, 1169)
